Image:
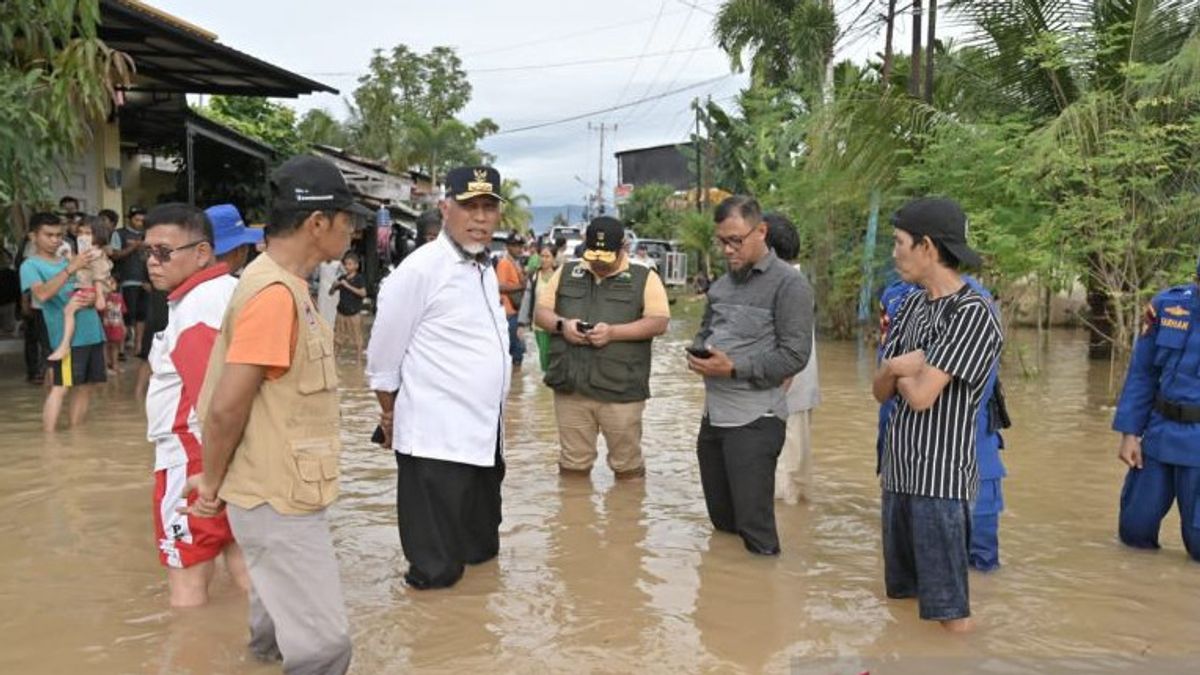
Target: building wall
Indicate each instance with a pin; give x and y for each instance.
(85, 177)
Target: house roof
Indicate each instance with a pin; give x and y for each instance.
(653, 147)
(174, 56)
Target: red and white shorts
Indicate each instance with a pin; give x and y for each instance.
(183, 539)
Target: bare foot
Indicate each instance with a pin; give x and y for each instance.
(964, 625)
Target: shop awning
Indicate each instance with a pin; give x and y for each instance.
(173, 56)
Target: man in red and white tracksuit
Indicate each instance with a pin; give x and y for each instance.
(181, 260)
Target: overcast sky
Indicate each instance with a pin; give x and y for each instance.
(650, 47)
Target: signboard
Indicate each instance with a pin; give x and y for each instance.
(621, 192)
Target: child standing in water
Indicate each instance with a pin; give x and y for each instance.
(94, 278)
(352, 288)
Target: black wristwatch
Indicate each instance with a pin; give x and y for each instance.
(558, 326)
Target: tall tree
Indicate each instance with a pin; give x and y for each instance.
(405, 110)
(914, 75)
(255, 116)
(57, 79)
(318, 127)
(888, 48)
(931, 41)
(515, 215)
(790, 41)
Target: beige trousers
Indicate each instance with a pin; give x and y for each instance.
(580, 419)
(793, 472)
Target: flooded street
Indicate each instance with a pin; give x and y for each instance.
(597, 577)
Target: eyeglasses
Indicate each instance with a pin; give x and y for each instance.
(734, 242)
(162, 253)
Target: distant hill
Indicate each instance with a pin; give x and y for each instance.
(543, 216)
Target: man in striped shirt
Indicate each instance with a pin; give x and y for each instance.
(942, 345)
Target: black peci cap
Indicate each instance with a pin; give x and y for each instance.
(469, 182)
(308, 183)
(604, 239)
(943, 221)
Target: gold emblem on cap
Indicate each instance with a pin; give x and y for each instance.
(481, 182)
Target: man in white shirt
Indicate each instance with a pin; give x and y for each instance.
(438, 362)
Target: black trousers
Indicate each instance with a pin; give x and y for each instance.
(449, 515)
(37, 345)
(737, 471)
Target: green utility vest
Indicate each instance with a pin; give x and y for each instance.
(620, 371)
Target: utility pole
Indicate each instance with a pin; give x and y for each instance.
(914, 75)
(699, 160)
(603, 128)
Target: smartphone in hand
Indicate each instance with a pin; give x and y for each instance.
(584, 326)
(699, 352)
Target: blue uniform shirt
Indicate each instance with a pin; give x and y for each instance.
(987, 444)
(1166, 361)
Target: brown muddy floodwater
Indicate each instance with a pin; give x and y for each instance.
(597, 577)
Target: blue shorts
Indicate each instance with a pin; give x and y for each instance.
(925, 542)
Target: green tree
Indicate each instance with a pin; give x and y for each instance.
(650, 212)
(258, 118)
(790, 41)
(515, 215)
(57, 78)
(318, 127)
(405, 109)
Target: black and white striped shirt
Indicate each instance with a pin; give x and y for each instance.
(932, 453)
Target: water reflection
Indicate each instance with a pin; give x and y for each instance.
(597, 576)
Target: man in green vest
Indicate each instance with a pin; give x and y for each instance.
(602, 314)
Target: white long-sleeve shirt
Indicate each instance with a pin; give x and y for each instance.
(440, 341)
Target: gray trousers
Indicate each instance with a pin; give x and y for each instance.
(296, 607)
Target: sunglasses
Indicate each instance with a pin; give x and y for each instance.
(162, 253)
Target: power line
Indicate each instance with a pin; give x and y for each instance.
(555, 38)
(662, 66)
(695, 6)
(586, 62)
(575, 118)
(542, 66)
(649, 39)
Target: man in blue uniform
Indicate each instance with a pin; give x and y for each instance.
(1158, 417)
(985, 511)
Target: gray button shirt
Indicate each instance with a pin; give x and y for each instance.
(764, 321)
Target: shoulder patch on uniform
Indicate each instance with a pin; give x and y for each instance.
(577, 272)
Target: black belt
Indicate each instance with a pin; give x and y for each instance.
(1177, 412)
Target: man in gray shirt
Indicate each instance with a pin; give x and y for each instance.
(756, 334)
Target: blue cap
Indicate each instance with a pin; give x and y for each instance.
(229, 232)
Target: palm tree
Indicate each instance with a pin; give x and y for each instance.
(1088, 69)
(791, 41)
(515, 216)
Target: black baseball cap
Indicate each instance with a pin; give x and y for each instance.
(604, 239)
(468, 182)
(136, 211)
(310, 183)
(943, 221)
(515, 240)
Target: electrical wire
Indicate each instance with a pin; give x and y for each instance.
(649, 39)
(575, 118)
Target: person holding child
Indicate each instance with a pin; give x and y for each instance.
(49, 279)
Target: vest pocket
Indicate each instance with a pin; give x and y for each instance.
(609, 374)
(321, 373)
(316, 464)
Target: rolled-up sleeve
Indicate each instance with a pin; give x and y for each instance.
(793, 310)
(402, 299)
